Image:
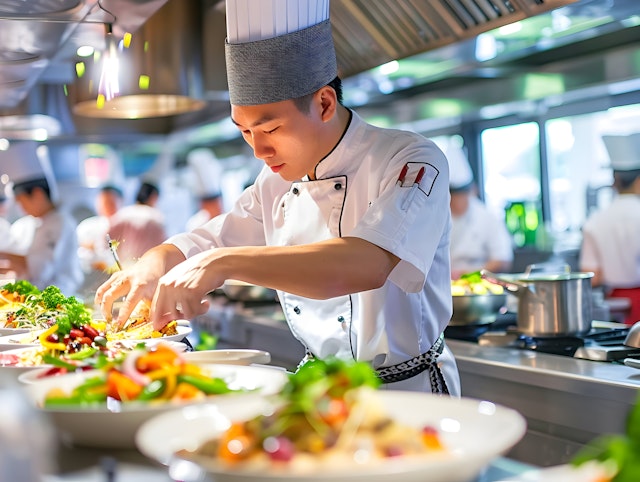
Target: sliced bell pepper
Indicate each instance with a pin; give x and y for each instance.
(55, 361)
(152, 390)
(48, 344)
(84, 353)
(210, 386)
(121, 387)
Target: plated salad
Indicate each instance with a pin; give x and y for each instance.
(328, 413)
(144, 374)
(63, 326)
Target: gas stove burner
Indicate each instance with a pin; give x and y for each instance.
(566, 346)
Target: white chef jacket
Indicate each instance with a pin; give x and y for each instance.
(477, 237)
(92, 238)
(356, 193)
(6, 243)
(50, 246)
(611, 242)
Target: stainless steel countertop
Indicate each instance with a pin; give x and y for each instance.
(571, 373)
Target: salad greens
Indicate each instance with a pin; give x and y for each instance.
(41, 309)
(621, 449)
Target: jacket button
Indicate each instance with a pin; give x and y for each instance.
(296, 310)
(295, 191)
(337, 186)
(341, 319)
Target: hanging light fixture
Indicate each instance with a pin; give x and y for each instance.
(109, 85)
(154, 72)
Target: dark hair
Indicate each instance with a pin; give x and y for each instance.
(145, 192)
(111, 188)
(623, 180)
(28, 187)
(304, 103)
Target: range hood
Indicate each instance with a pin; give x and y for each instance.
(39, 38)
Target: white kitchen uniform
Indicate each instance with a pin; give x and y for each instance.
(611, 242)
(477, 237)
(50, 246)
(357, 194)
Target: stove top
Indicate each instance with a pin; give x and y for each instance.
(605, 342)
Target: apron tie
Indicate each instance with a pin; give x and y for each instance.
(416, 365)
(410, 368)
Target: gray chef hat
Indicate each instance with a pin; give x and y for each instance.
(278, 49)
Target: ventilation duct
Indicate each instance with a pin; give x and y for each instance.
(160, 71)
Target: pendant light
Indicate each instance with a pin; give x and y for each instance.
(153, 72)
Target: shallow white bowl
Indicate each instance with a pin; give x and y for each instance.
(229, 357)
(115, 426)
(473, 431)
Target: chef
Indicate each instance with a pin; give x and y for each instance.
(479, 239)
(348, 222)
(44, 243)
(207, 172)
(611, 235)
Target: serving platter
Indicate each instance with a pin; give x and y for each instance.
(474, 432)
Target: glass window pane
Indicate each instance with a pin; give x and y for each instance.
(511, 173)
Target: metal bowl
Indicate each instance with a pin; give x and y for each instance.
(241, 291)
(477, 309)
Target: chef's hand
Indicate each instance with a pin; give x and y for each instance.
(137, 282)
(181, 293)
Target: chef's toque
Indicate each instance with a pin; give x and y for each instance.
(460, 174)
(278, 49)
(624, 151)
(26, 163)
(207, 171)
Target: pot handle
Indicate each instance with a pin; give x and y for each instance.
(513, 286)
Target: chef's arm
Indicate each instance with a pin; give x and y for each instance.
(13, 263)
(319, 270)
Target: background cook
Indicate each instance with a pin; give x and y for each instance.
(349, 222)
(44, 243)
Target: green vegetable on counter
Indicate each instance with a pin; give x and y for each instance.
(622, 450)
(206, 341)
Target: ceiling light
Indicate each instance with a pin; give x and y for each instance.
(85, 51)
(131, 78)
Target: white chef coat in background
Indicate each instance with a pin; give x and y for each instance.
(357, 194)
(50, 246)
(477, 237)
(611, 242)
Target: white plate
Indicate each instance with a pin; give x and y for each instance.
(475, 432)
(183, 332)
(229, 357)
(102, 427)
(589, 472)
(13, 331)
(21, 340)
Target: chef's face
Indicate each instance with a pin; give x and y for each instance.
(287, 139)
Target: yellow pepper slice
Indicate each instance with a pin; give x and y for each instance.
(48, 344)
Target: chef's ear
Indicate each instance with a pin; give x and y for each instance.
(328, 101)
